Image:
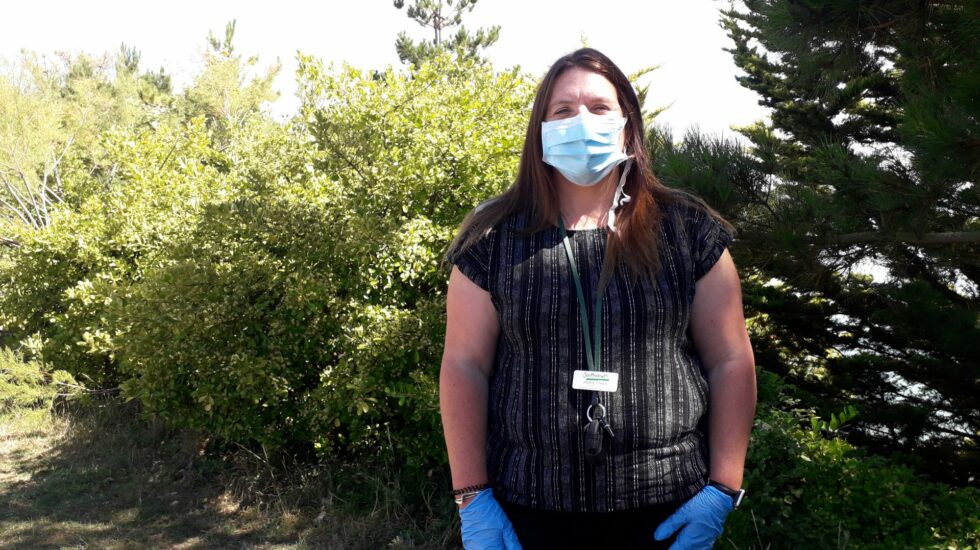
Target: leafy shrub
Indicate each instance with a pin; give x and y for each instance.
(434, 142)
(383, 389)
(808, 488)
(28, 384)
(410, 153)
(231, 331)
(62, 278)
(312, 309)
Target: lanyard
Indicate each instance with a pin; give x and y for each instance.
(593, 356)
(597, 425)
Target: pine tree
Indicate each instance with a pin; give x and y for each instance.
(440, 15)
(153, 88)
(871, 160)
(226, 92)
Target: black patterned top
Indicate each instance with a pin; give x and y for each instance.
(535, 428)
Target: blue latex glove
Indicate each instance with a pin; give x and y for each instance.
(486, 526)
(700, 519)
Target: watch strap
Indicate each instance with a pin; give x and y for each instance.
(736, 494)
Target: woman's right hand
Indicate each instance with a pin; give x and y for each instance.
(485, 525)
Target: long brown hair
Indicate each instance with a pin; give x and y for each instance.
(535, 193)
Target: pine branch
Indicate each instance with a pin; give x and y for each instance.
(925, 239)
(917, 267)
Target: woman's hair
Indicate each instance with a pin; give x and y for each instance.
(535, 194)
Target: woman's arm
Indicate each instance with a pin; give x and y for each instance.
(472, 327)
(718, 329)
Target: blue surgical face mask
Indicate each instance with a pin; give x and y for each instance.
(583, 148)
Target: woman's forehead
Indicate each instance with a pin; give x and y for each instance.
(576, 84)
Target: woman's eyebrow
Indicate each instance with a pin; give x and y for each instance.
(560, 101)
(587, 99)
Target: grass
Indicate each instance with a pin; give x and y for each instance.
(101, 477)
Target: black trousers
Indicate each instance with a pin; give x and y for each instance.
(627, 529)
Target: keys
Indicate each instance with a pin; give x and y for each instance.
(605, 426)
(593, 440)
(594, 430)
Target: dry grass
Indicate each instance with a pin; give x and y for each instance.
(101, 477)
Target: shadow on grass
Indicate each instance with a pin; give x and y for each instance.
(104, 478)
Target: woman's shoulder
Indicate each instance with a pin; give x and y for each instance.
(696, 231)
(690, 213)
(511, 220)
(514, 222)
(481, 227)
(677, 209)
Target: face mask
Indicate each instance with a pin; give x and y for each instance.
(583, 148)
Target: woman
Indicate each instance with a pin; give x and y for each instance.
(597, 386)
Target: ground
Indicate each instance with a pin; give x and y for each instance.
(105, 478)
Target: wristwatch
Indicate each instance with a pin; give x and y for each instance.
(737, 495)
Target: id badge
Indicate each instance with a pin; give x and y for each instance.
(595, 380)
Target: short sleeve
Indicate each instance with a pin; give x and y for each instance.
(474, 262)
(709, 239)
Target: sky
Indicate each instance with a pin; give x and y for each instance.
(696, 77)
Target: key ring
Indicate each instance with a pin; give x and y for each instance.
(588, 412)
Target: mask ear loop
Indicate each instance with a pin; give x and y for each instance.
(620, 198)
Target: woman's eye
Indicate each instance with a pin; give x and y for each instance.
(601, 109)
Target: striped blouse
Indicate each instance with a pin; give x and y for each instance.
(535, 427)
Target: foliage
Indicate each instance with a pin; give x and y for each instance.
(808, 488)
(239, 276)
(62, 278)
(228, 333)
(48, 110)
(309, 308)
(224, 92)
(382, 390)
(130, 188)
(434, 143)
(55, 114)
(440, 15)
(410, 156)
(869, 164)
(153, 88)
(29, 384)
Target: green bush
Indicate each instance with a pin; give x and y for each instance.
(241, 332)
(311, 311)
(61, 279)
(383, 389)
(410, 153)
(231, 331)
(808, 488)
(29, 384)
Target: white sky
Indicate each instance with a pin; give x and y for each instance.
(682, 36)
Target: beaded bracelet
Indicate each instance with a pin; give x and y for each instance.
(470, 489)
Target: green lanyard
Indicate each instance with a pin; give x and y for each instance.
(593, 356)
(592, 438)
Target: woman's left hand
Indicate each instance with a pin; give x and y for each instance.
(700, 520)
